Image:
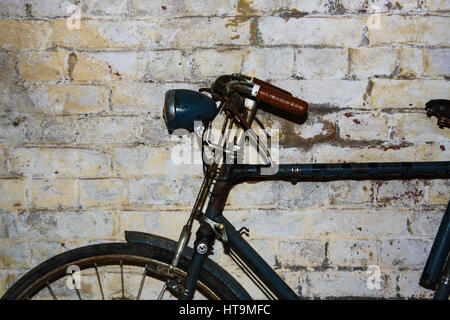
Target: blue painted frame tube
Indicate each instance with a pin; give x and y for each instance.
(234, 174)
(256, 263)
(438, 255)
(346, 171)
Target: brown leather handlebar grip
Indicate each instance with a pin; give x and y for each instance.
(282, 101)
(266, 84)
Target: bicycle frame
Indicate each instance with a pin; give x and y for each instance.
(231, 175)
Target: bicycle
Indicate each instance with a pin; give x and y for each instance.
(187, 273)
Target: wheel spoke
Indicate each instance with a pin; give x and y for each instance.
(78, 294)
(99, 282)
(142, 282)
(121, 278)
(161, 294)
(102, 261)
(51, 291)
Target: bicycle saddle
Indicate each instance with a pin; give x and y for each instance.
(439, 108)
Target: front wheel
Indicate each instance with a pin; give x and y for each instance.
(113, 271)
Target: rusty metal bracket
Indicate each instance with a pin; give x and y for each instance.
(219, 228)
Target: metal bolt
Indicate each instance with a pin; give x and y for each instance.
(202, 248)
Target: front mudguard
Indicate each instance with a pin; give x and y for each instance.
(209, 265)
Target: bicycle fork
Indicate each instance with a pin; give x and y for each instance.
(183, 240)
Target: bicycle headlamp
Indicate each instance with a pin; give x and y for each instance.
(183, 107)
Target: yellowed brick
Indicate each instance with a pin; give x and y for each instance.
(411, 62)
(213, 63)
(364, 126)
(439, 191)
(437, 5)
(163, 65)
(105, 66)
(387, 152)
(436, 62)
(269, 63)
(43, 65)
(24, 34)
(60, 162)
(8, 66)
(324, 63)
(421, 30)
(321, 31)
(12, 193)
(103, 192)
(69, 99)
(53, 193)
(417, 127)
(407, 93)
(187, 33)
(142, 97)
(369, 62)
(95, 34)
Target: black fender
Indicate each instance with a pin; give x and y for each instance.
(209, 265)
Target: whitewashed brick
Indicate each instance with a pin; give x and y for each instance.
(436, 5)
(400, 193)
(295, 253)
(68, 99)
(185, 33)
(162, 65)
(411, 62)
(164, 190)
(190, 8)
(388, 93)
(369, 62)
(338, 32)
(364, 126)
(353, 253)
(404, 252)
(384, 152)
(4, 162)
(96, 34)
(103, 192)
(290, 224)
(346, 283)
(60, 162)
(115, 129)
(138, 98)
(425, 222)
(437, 62)
(326, 63)
(378, 6)
(310, 6)
(64, 226)
(408, 285)
(349, 193)
(8, 66)
(422, 30)
(359, 223)
(269, 63)
(417, 127)
(106, 7)
(150, 161)
(15, 255)
(439, 190)
(212, 63)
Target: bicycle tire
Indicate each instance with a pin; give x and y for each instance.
(154, 260)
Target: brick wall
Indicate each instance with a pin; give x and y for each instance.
(84, 153)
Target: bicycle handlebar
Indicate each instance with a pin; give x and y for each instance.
(280, 99)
